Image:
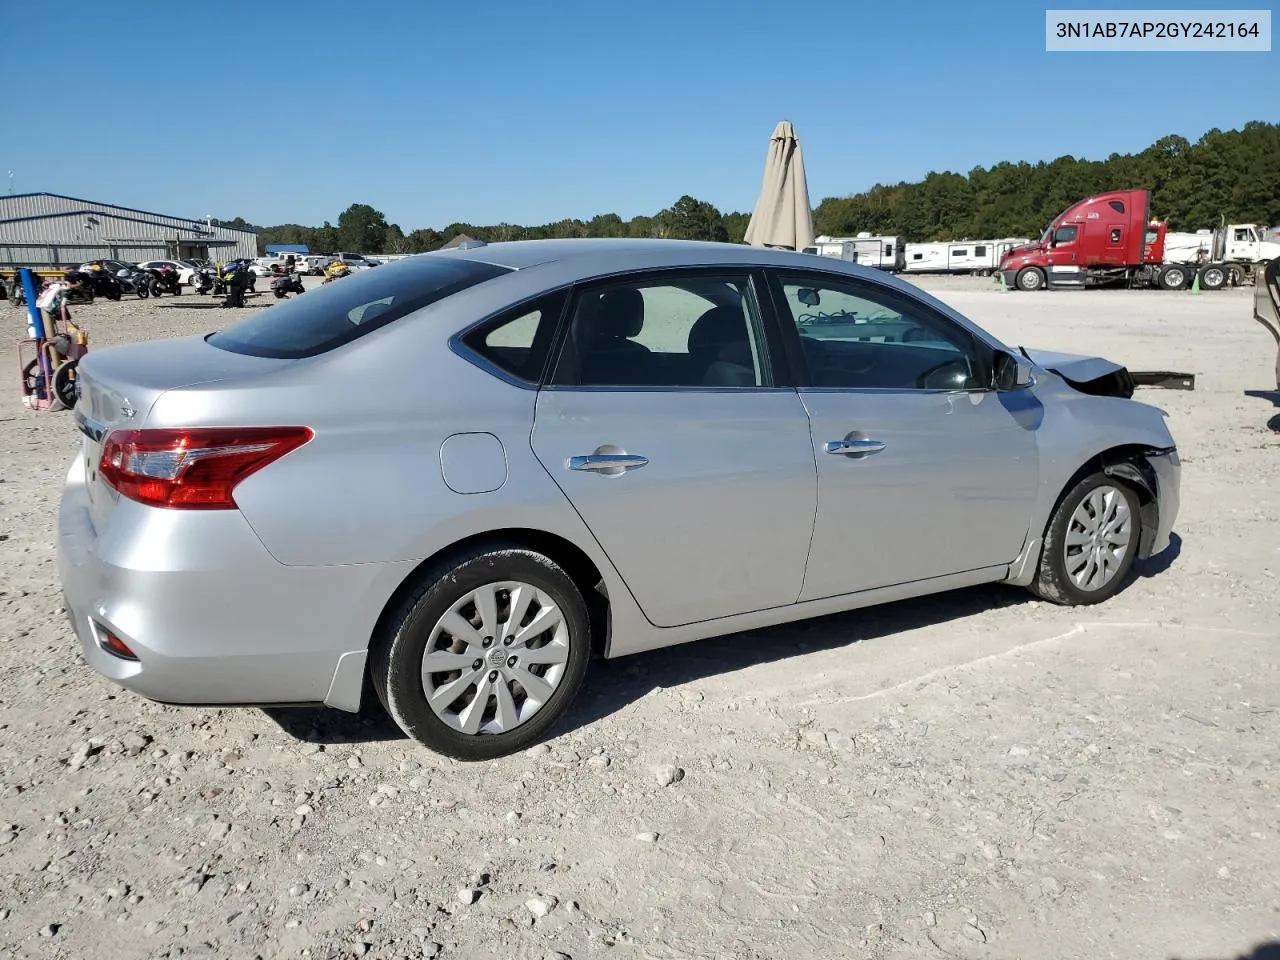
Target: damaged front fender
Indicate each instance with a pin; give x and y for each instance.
(1096, 376)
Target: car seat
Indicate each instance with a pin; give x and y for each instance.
(720, 345)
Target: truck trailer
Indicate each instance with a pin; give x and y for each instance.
(1109, 240)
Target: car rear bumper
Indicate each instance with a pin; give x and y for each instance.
(211, 617)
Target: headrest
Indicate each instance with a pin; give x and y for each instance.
(716, 328)
(614, 314)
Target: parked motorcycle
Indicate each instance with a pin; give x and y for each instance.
(100, 281)
(285, 284)
(167, 280)
(136, 281)
(236, 279)
(204, 280)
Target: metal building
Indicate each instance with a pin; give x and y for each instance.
(50, 230)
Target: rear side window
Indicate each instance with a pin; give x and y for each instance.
(348, 308)
(517, 342)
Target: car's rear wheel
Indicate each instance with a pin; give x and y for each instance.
(1090, 543)
(486, 654)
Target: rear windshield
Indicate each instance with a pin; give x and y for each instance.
(328, 316)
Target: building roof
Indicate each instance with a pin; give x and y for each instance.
(32, 206)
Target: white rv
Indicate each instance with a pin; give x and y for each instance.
(884, 253)
(839, 249)
(959, 256)
(926, 257)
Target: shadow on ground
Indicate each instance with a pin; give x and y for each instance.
(1269, 950)
(612, 684)
(1274, 397)
(179, 304)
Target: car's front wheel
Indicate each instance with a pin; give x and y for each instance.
(1090, 543)
(486, 654)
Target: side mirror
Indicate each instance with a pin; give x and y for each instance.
(1011, 372)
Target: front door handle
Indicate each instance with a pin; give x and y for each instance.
(858, 446)
(603, 462)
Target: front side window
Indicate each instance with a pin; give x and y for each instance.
(338, 313)
(1064, 235)
(689, 331)
(860, 336)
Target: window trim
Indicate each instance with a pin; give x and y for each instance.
(982, 351)
(774, 370)
(556, 299)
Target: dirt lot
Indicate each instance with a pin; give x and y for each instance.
(977, 775)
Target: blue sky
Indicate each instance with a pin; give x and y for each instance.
(528, 112)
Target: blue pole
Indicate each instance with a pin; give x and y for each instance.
(37, 324)
(29, 288)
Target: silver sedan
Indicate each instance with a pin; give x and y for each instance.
(465, 474)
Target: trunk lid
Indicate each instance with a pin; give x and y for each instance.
(118, 386)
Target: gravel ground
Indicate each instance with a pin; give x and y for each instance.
(976, 775)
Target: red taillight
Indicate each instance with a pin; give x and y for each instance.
(109, 642)
(192, 469)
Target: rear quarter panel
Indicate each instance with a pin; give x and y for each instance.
(369, 488)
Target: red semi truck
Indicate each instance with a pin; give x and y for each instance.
(1109, 240)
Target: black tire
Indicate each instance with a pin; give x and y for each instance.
(1238, 274)
(398, 649)
(1172, 277)
(1213, 276)
(1053, 582)
(1029, 279)
(64, 383)
(142, 291)
(56, 402)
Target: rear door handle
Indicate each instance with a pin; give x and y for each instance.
(607, 461)
(862, 446)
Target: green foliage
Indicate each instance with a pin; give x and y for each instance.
(1233, 175)
(362, 229)
(690, 219)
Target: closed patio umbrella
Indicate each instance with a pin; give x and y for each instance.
(782, 217)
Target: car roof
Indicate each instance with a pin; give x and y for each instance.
(602, 254)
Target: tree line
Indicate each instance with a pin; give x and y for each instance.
(1232, 176)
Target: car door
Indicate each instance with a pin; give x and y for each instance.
(923, 470)
(667, 429)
